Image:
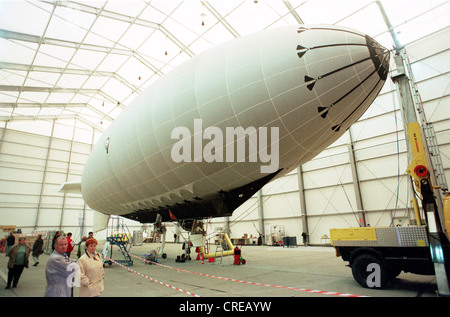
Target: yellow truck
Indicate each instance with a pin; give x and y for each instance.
(391, 249)
(377, 255)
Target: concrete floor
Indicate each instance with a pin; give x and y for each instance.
(308, 271)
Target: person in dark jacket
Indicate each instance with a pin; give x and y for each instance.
(57, 234)
(18, 260)
(37, 249)
(10, 242)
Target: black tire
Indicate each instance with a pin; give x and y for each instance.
(370, 272)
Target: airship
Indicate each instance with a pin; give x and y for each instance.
(209, 134)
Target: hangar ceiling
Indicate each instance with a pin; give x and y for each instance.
(87, 60)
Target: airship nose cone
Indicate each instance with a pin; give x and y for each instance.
(345, 72)
(379, 56)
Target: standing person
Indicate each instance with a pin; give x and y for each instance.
(81, 247)
(305, 238)
(18, 259)
(70, 244)
(91, 271)
(37, 249)
(59, 271)
(10, 242)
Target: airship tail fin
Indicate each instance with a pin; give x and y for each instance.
(100, 221)
(71, 187)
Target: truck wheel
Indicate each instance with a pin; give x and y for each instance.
(370, 272)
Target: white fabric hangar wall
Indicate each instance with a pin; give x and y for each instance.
(32, 167)
(377, 145)
(36, 157)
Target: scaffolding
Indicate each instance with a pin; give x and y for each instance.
(118, 235)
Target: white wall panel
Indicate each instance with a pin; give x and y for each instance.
(438, 110)
(387, 144)
(281, 185)
(382, 194)
(247, 211)
(338, 174)
(17, 215)
(281, 205)
(11, 200)
(51, 202)
(24, 150)
(382, 167)
(330, 200)
(18, 175)
(11, 187)
(49, 218)
(378, 125)
(57, 166)
(431, 66)
(59, 155)
(30, 176)
(239, 229)
(430, 45)
(434, 88)
(15, 160)
(18, 137)
(332, 156)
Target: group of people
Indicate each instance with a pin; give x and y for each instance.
(62, 273)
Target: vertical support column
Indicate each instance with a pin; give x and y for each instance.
(177, 232)
(261, 215)
(63, 209)
(3, 136)
(301, 192)
(44, 177)
(356, 187)
(227, 226)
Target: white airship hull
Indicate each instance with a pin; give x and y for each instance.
(306, 83)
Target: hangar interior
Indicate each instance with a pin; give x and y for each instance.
(68, 69)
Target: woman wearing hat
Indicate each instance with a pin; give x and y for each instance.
(91, 271)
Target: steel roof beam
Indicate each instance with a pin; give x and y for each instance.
(11, 35)
(123, 18)
(293, 12)
(49, 89)
(69, 71)
(221, 19)
(51, 117)
(60, 90)
(42, 105)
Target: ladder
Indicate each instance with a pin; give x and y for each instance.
(219, 248)
(428, 130)
(118, 235)
(222, 246)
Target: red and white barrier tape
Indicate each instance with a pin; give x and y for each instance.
(252, 283)
(153, 280)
